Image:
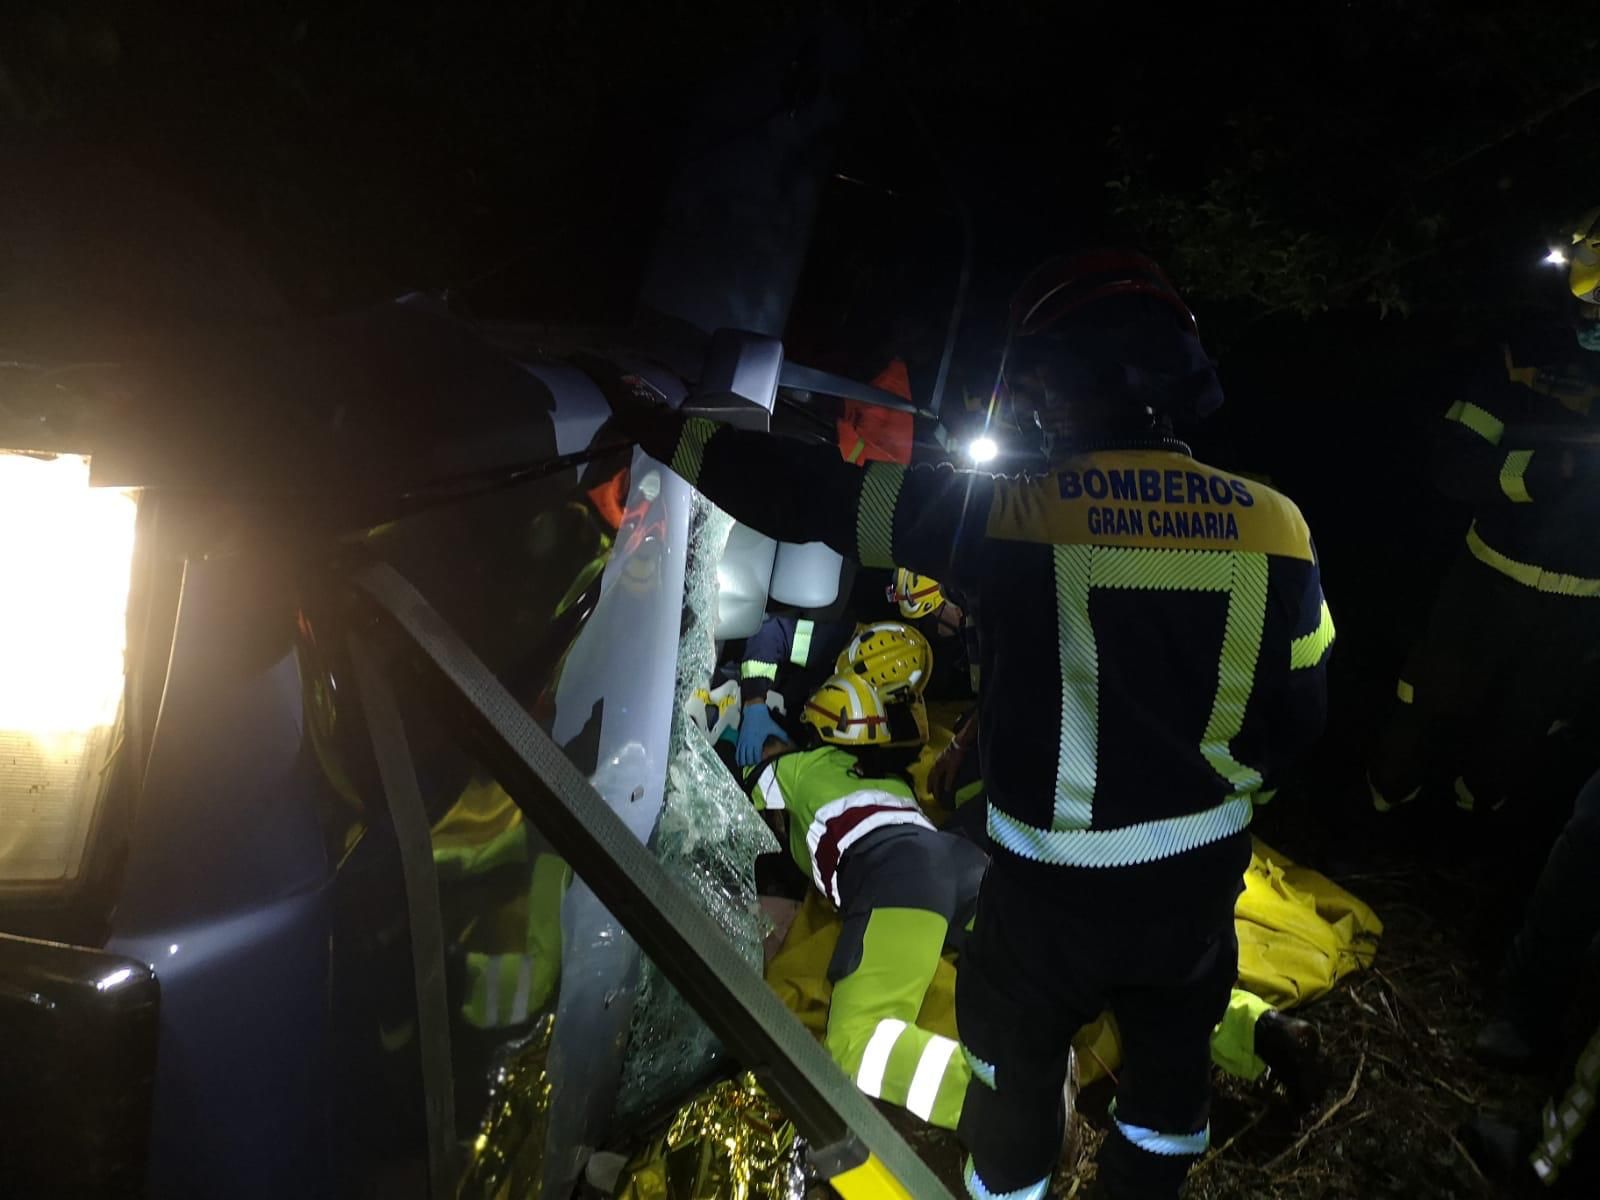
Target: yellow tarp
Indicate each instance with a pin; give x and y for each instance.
(1299, 934)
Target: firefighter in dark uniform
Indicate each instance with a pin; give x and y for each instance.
(1515, 631)
(788, 656)
(1542, 976)
(1151, 636)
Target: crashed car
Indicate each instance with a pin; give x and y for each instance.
(293, 900)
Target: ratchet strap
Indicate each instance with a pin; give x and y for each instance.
(852, 1144)
(411, 834)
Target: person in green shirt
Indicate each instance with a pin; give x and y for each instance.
(904, 890)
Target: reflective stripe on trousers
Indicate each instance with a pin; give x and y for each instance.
(930, 1057)
(1167, 1145)
(872, 1033)
(977, 1190)
(499, 989)
(1564, 1120)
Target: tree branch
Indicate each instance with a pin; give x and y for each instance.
(1527, 125)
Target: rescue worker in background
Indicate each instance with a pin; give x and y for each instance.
(905, 892)
(502, 888)
(872, 433)
(922, 601)
(1517, 622)
(867, 433)
(788, 656)
(1540, 982)
(1152, 638)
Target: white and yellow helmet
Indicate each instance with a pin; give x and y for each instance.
(891, 656)
(917, 595)
(848, 711)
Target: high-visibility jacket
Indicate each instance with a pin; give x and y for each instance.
(830, 807)
(870, 433)
(1152, 636)
(512, 949)
(1500, 450)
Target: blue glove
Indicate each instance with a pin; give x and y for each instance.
(755, 727)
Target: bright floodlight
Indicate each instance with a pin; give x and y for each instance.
(68, 552)
(1556, 258)
(982, 450)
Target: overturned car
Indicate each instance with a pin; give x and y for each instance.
(356, 833)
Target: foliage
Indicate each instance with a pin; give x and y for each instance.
(1376, 155)
(1287, 158)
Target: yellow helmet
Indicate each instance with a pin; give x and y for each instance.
(1584, 274)
(891, 656)
(848, 711)
(917, 595)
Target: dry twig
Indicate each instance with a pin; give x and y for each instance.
(1460, 1095)
(1227, 1145)
(1462, 1150)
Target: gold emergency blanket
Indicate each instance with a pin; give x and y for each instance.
(729, 1143)
(507, 1156)
(1299, 934)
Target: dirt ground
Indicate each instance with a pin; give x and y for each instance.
(1401, 1079)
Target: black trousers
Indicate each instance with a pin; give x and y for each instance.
(1542, 967)
(1035, 972)
(1497, 665)
(905, 866)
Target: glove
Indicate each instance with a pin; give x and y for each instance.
(942, 775)
(755, 727)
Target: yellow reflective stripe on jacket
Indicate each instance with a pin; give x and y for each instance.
(1513, 472)
(1407, 693)
(768, 793)
(880, 492)
(1480, 420)
(1308, 651)
(754, 668)
(690, 452)
(1527, 574)
(800, 648)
